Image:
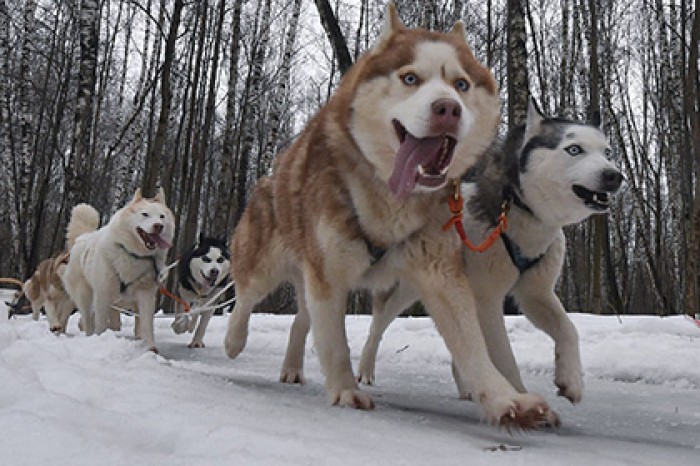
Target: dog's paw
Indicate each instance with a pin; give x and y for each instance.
(292, 375)
(552, 420)
(234, 344)
(56, 329)
(365, 378)
(179, 325)
(353, 398)
(153, 349)
(569, 380)
(525, 411)
(365, 373)
(196, 344)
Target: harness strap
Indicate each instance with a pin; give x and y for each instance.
(376, 252)
(456, 203)
(123, 285)
(521, 262)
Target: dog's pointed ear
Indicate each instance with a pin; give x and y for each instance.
(137, 195)
(160, 195)
(458, 30)
(596, 120)
(534, 119)
(392, 24)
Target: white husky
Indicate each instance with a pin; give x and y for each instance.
(119, 263)
(551, 173)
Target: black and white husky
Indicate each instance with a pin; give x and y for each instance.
(202, 271)
(551, 172)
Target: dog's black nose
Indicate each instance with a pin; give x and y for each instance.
(445, 115)
(611, 179)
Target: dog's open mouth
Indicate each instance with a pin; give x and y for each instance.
(209, 280)
(152, 240)
(596, 200)
(423, 161)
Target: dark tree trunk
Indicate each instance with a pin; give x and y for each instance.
(335, 35)
(152, 168)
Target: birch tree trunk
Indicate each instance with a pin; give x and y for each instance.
(225, 193)
(23, 190)
(281, 93)
(691, 303)
(77, 176)
(200, 154)
(518, 85)
(251, 114)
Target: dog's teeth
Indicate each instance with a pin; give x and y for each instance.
(421, 170)
(444, 170)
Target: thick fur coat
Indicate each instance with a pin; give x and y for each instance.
(372, 171)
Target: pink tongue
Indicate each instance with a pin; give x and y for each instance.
(160, 242)
(413, 152)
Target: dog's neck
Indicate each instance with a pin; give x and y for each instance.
(511, 194)
(153, 259)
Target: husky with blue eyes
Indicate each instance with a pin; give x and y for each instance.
(366, 183)
(549, 173)
(202, 272)
(118, 264)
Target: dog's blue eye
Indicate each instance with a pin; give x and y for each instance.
(462, 85)
(574, 150)
(608, 153)
(410, 79)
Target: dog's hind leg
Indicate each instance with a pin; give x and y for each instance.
(293, 365)
(385, 307)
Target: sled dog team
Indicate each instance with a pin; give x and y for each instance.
(370, 196)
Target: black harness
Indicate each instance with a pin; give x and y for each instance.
(520, 261)
(124, 285)
(375, 252)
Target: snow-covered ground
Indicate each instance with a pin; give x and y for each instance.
(72, 400)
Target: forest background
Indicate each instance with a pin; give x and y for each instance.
(98, 98)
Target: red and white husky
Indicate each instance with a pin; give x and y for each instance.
(372, 172)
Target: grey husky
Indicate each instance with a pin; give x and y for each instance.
(549, 173)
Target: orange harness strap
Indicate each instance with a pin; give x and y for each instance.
(456, 204)
(174, 297)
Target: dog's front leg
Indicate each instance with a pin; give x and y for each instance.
(198, 338)
(326, 300)
(450, 301)
(146, 303)
(102, 305)
(546, 312)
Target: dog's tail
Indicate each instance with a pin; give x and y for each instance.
(83, 219)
